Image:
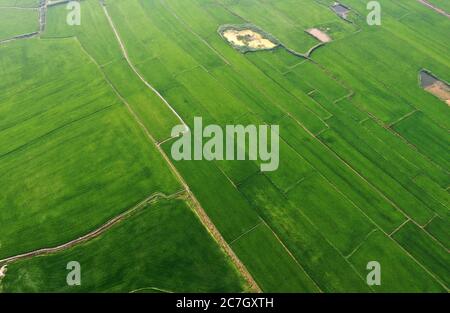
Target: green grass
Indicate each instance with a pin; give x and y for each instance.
(399, 272)
(323, 262)
(15, 22)
(163, 246)
(276, 271)
(426, 250)
(72, 155)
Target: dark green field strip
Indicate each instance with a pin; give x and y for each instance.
(155, 114)
(439, 228)
(323, 263)
(340, 221)
(399, 272)
(426, 250)
(228, 210)
(74, 180)
(164, 246)
(415, 162)
(439, 194)
(9, 27)
(383, 157)
(370, 171)
(273, 268)
(356, 188)
(427, 137)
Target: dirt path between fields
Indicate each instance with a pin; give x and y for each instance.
(435, 8)
(89, 236)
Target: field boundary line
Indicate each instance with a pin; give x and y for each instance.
(93, 234)
(246, 232)
(399, 227)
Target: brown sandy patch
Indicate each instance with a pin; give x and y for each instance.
(440, 90)
(318, 34)
(248, 38)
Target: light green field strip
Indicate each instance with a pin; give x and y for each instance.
(400, 272)
(430, 139)
(94, 32)
(163, 245)
(338, 219)
(426, 250)
(76, 152)
(15, 22)
(69, 88)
